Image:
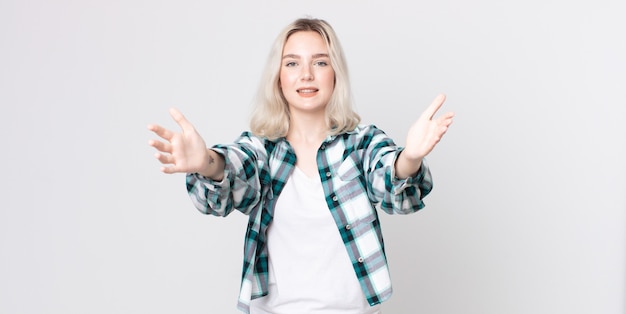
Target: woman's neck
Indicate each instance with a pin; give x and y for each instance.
(307, 129)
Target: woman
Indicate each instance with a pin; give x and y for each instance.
(310, 177)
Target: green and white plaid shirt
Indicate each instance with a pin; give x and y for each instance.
(357, 173)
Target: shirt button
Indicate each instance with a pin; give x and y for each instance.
(335, 198)
(328, 174)
(360, 260)
(323, 147)
(348, 227)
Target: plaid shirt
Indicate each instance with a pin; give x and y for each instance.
(357, 173)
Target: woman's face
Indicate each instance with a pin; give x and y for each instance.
(307, 78)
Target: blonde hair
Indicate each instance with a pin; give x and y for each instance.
(270, 118)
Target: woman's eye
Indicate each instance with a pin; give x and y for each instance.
(321, 63)
(290, 64)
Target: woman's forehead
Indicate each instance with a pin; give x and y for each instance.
(305, 43)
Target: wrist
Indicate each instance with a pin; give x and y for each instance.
(214, 166)
(410, 158)
(407, 166)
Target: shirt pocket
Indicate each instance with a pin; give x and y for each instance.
(349, 183)
(350, 168)
(352, 193)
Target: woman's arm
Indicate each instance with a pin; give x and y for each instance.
(240, 187)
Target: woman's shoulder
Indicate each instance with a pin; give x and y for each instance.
(251, 141)
(365, 130)
(248, 136)
(364, 135)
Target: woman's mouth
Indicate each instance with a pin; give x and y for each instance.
(305, 91)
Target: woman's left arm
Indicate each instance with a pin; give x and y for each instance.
(423, 135)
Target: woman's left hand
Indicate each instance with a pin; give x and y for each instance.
(427, 131)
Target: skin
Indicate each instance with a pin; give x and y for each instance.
(307, 81)
(306, 76)
(423, 136)
(185, 151)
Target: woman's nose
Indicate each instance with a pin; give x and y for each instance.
(307, 75)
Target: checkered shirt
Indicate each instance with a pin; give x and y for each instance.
(357, 173)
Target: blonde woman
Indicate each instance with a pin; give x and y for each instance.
(311, 179)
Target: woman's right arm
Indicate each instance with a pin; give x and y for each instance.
(219, 179)
(245, 179)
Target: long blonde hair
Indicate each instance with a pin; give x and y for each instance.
(270, 118)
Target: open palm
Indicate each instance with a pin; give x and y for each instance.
(427, 131)
(185, 151)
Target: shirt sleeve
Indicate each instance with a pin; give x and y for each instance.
(241, 188)
(393, 195)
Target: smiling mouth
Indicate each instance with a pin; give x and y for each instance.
(307, 90)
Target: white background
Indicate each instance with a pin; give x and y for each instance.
(528, 210)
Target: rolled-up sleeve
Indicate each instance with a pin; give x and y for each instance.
(393, 195)
(240, 188)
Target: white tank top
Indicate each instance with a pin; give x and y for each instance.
(309, 268)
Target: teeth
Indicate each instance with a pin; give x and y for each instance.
(306, 90)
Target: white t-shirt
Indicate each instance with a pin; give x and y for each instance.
(309, 268)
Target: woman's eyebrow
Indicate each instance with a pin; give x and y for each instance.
(320, 55)
(291, 56)
(294, 56)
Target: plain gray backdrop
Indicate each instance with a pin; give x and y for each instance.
(527, 214)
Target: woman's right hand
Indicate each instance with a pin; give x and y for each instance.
(184, 152)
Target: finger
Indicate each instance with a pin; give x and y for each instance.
(160, 146)
(181, 120)
(161, 131)
(441, 132)
(449, 115)
(446, 119)
(170, 169)
(165, 159)
(434, 106)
